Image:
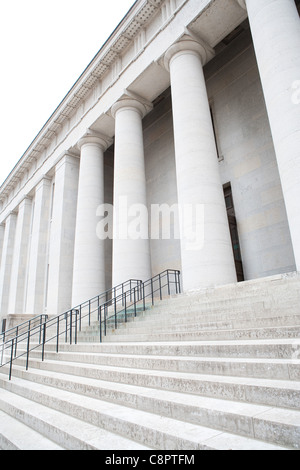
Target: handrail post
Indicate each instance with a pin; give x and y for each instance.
(71, 320)
(2, 352)
(116, 318)
(40, 333)
(66, 329)
(100, 320)
(179, 282)
(76, 313)
(16, 342)
(134, 297)
(11, 358)
(152, 293)
(57, 334)
(160, 293)
(28, 346)
(44, 341)
(168, 280)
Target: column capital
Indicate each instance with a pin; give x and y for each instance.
(13, 213)
(44, 180)
(189, 43)
(26, 200)
(67, 157)
(93, 137)
(130, 100)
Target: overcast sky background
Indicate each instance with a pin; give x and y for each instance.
(44, 48)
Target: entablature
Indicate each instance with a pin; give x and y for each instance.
(130, 60)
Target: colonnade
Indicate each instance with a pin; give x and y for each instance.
(76, 270)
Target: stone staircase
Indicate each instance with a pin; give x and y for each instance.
(214, 369)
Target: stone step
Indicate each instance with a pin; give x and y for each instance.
(274, 291)
(238, 349)
(278, 369)
(211, 330)
(15, 435)
(283, 282)
(214, 335)
(282, 393)
(180, 316)
(279, 294)
(197, 323)
(277, 427)
(251, 290)
(165, 325)
(213, 369)
(223, 312)
(68, 431)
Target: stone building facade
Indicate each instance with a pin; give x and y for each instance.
(190, 103)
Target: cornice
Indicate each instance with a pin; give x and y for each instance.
(138, 17)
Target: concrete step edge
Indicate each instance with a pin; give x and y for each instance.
(282, 393)
(278, 369)
(66, 430)
(159, 428)
(15, 435)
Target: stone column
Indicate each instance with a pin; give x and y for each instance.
(6, 261)
(62, 238)
(20, 259)
(206, 249)
(2, 232)
(275, 28)
(39, 238)
(89, 253)
(131, 245)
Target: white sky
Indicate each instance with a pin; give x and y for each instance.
(44, 48)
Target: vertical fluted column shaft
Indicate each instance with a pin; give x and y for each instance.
(89, 251)
(209, 259)
(275, 28)
(131, 250)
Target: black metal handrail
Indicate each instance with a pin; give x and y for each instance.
(25, 326)
(138, 296)
(112, 306)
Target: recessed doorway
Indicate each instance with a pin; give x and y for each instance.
(234, 232)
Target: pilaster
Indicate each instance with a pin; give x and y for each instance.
(6, 261)
(39, 238)
(20, 258)
(62, 235)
